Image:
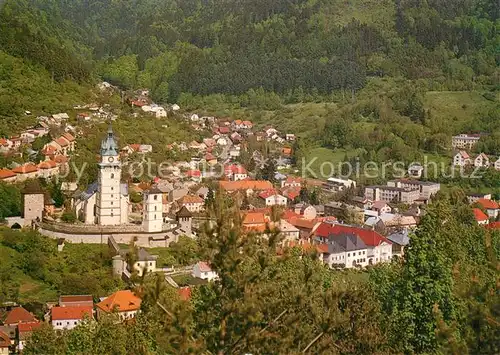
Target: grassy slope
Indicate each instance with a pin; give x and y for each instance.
(451, 110)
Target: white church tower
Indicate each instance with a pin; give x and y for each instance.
(108, 199)
(152, 220)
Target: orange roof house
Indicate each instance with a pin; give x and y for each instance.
(19, 315)
(191, 199)
(48, 164)
(25, 169)
(71, 312)
(62, 142)
(480, 216)
(120, 301)
(488, 204)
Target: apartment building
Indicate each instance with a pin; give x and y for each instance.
(465, 141)
(407, 195)
(427, 189)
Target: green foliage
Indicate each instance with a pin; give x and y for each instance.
(34, 262)
(69, 217)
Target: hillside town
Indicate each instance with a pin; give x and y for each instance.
(347, 226)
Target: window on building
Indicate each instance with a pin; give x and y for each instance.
(155, 208)
(112, 175)
(156, 197)
(150, 264)
(155, 217)
(111, 203)
(348, 254)
(111, 189)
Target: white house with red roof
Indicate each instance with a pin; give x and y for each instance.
(202, 270)
(70, 316)
(462, 158)
(291, 182)
(491, 207)
(235, 172)
(354, 245)
(482, 161)
(272, 198)
(480, 217)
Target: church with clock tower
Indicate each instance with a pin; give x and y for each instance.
(106, 202)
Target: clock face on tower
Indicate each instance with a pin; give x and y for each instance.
(111, 159)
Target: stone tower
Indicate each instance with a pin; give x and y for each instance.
(108, 199)
(152, 220)
(184, 220)
(33, 203)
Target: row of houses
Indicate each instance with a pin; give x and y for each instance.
(462, 158)
(44, 169)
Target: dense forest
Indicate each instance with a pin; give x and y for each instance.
(441, 298)
(205, 47)
(397, 77)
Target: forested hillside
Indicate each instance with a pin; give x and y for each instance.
(206, 47)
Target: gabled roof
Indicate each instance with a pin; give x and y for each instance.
(183, 213)
(25, 169)
(120, 301)
(6, 173)
(28, 326)
(190, 199)
(369, 237)
(267, 193)
(62, 142)
(75, 298)
(488, 204)
(47, 164)
(464, 154)
(204, 266)
(479, 215)
(345, 242)
(245, 184)
(254, 218)
(70, 312)
(19, 315)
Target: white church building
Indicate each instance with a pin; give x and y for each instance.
(106, 202)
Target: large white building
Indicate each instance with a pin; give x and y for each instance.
(106, 202)
(465, 141)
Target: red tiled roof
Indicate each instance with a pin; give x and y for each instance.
(193, 173)
(6, 173)
(69, 137)
(48, 164)
(25, 169)
(245, 185)
(267, 193)
(247, 123)
(488, 204)
(224, 129)
(76, 298)
(254, 218)
(464, 154)
(479, 215)
(303, 223)
(28, 326)
(59, 159)
(184, 293)
(62, 142)
(291, 192)
(369, 237)
(190, 199)
(235, 169)
(71, 312)
(121, 301)
(288, 214)
(204, 266)
(19, 315)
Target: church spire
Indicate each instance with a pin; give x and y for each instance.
(108, 145)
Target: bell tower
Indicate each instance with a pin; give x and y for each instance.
(108, 199)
